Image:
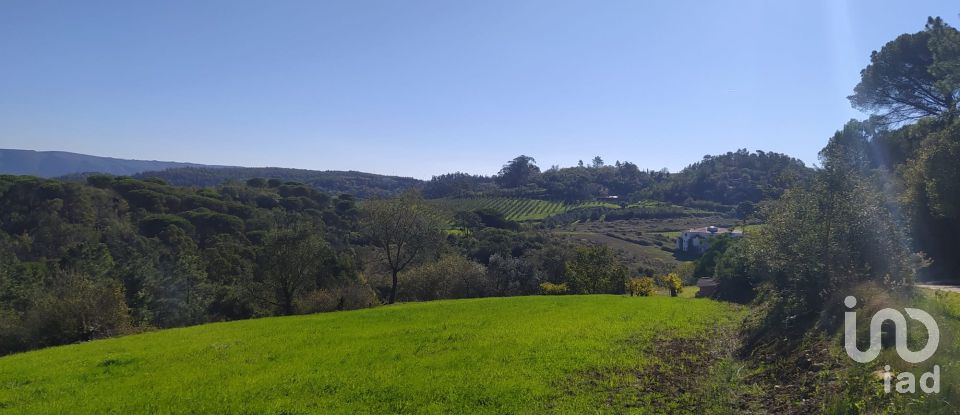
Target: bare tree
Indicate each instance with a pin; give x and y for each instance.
(403, 229)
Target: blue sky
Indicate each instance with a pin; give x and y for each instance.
(418, 88)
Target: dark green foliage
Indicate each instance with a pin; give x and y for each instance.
(82, 261)
(834, 234)
(208, 223)
(518, 172)
(495, 219)
(257, 182)
(916, 77)
(152, 225)
(292, 261)
(482, 244)
(146, 199)
(336, 182)
(733, 178)
(707, 263)
(717, 183)
(735, 272)
(595, 270)
(512, 276)
(932, 193)
(912, 76)
(458, 185)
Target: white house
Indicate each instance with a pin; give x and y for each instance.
(698, 239)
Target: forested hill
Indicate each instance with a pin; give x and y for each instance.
(728, 179)
(722, 180)
(337, 182)
(733, 178)
(61, 163)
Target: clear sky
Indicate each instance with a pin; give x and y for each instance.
(418, 88)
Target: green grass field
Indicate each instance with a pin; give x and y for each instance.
(567, 354)
(517, 209)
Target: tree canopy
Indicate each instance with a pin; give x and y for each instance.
(912, 76)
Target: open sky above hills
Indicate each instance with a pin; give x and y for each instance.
(422, 88)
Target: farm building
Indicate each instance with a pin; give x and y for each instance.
(708, 287)
(697, 240)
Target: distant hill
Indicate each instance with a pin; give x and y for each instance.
(716, 182)
(732, 178)
(351, 182)
(76, 167)
(61, 163)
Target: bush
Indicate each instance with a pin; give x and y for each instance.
(449, 277)
(350, 296)
(78, 308)
(549, 288)
(672, 282)
(643, 286)
(595, 270)
(512, 276)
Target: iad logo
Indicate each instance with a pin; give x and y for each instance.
(906, 381)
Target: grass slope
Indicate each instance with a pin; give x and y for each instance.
(571, 354)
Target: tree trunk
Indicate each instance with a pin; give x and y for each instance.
(393, 290)
(287, 303)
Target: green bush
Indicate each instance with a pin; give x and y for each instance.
(451, 276)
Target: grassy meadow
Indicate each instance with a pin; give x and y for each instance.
(565, 354)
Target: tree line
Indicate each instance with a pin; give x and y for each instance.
(883, 208)
(117, 255)
(719, 182)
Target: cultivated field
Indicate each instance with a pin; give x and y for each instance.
(569, 354)
(517, 209)
(642, 244)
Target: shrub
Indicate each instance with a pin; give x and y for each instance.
(78, 308)
(595, 270)
(512, 276)
(643, 286)
(449, 277)
(672, 282)
(349, 296)
(549, 288)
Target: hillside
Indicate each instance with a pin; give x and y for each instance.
(517, 209)
(719, 182)
(733, 178)
(569, 354)
(62, 163)
(716, 183)
(337, 182)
